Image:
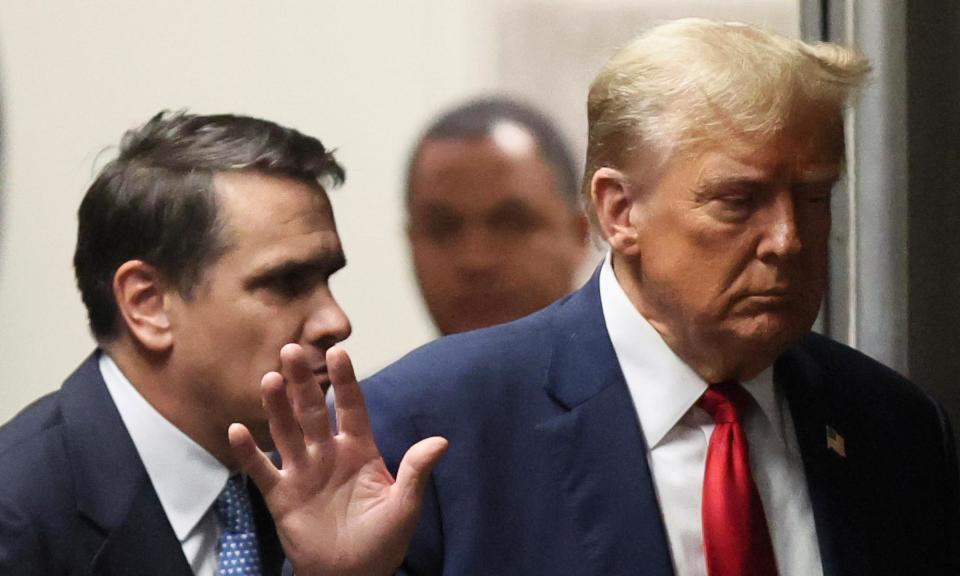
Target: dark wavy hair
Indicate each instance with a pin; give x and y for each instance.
(155, 202)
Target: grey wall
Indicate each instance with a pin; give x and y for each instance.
(933, 92)
(895, 248)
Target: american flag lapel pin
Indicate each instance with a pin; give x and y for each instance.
(836, 443)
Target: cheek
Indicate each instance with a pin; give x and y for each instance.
(686, 254)
(433, 268)
(547, 249)
(260, 329)
(254, 350)
(542, 258)
(700, 271)
(818, 247)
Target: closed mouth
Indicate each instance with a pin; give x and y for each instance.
(771, 298)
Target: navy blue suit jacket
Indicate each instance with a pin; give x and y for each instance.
(75, 497)
(547, 470)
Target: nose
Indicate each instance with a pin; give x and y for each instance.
(476, 254)
(327, 323)
(781, 237)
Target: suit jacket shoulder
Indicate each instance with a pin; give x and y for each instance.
(35, 486)
(880, 462)
(74, 495)
(546, 471)
(852, 387)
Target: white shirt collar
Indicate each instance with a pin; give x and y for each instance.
(662, 386)
(765, 394)
(186, 477)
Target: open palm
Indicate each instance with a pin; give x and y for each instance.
(336, 507)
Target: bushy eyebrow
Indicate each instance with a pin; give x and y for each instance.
(708, 183)
(325, 264)
(710, 187)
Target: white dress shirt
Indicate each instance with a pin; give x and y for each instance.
(677, 431)
(185, 476)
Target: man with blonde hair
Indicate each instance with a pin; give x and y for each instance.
(676, 415)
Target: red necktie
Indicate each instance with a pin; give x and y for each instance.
(735, 537)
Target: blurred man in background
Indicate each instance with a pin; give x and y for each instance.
(494, 222)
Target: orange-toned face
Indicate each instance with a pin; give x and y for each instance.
(729, 254)
(491, 237)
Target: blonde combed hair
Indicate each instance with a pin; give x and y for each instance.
(695, 81)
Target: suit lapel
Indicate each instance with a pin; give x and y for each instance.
(598, 447)
(124, 529)
(144, 542)
(830, 472)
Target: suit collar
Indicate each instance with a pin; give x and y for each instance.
(126, 528)
(107, 470)
(186, 477)
(597, 447)
(583, 362)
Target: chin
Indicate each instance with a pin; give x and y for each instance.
(770, 334)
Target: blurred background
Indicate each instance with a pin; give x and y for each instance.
(366, 76)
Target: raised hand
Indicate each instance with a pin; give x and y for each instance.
(336, 507)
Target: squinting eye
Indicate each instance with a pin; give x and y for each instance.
(732, 207)
(291, 283)
(296, 283)
(738, 205)
(737, 201)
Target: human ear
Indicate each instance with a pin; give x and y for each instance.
(614, 201)
(139, 292)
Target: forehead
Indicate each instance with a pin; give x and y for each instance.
(260, 208)
(508, 162)
(812, 152)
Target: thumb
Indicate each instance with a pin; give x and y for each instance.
(415, 470)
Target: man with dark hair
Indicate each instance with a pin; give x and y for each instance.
(494, 219)
(204, 247)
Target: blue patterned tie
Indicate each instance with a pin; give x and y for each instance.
(237, 550)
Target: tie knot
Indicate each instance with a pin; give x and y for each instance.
(724, 401)
(234, 508)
